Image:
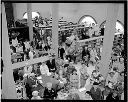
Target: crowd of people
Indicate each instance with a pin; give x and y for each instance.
(25, 50)
(22, 50)
(75, 67)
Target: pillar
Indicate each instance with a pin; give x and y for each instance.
(14, 12)
(112, 12)
(55, 27)
(0, 52)
(30, 24)
(8, 84)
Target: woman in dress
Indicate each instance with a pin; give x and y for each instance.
(84, 75)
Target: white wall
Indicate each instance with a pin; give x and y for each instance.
(71, 11)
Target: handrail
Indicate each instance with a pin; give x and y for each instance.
(90, 39)
(95, 38)
(29, 62)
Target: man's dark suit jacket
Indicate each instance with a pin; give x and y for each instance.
(51, 65)
(96, 95)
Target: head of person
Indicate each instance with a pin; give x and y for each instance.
(122, 73)
(121, 60)
(90, 63)
(30, 68)
(35, 93)
(56, 76)
(93, 24)
(115, 93)
(49, 85)
(74, 72)
(94, 73)
(97, 68)
(40, 43)
(32, 75)
(115, 69)
(111, 74)
(50, 58)
(89, 48)
(66, 67)
(85, 47)
(83, 64)
(60, 72)
(43, 63)
(107, 90)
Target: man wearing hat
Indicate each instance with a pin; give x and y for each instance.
(95, 91)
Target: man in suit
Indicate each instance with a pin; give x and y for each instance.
(95, 92)
(61, 52)
(85, 55)
(49, 92)
(51, 64)
(113, 96)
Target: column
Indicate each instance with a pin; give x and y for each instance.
(0, 52)
(112, 12)
(8, 84)
(55, 27)
(14, 12)
(30, 24)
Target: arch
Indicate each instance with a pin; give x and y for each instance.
(86, 18)
(34, 14)
(119, 25)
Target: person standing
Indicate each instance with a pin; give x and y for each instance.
(83, 76)
(95, 92)
(51, 65)
(44, 69)
(112, 96)
(61, 52)
(49, 92)
(85, 55)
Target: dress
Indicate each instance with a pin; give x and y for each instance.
(51, 65)
(14, 42)
(83, 77)
(31, 55)
(74, 80)
(93, 54)
(44, 69)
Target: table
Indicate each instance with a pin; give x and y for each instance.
(81, 92)
(62, 96)
(43, 80)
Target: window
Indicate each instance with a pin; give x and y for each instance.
(87, 20)
(34, 14)
(119, 26)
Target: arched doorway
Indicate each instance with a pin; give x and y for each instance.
(34, 14)
(119, 26)
(87, 20)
